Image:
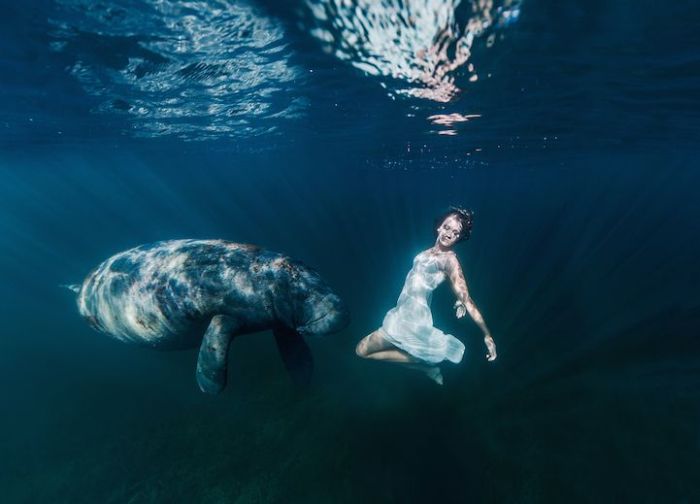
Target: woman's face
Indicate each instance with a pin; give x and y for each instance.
(449, 231)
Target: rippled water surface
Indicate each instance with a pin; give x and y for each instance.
(336, 131)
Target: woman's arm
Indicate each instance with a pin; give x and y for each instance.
(465, 304)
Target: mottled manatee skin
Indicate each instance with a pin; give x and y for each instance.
(165, 294)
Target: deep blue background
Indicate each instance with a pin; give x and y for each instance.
(584, 261)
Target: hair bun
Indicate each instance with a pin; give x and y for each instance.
(467, 214)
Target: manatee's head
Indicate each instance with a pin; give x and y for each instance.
(317, 309)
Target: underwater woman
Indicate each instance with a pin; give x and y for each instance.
(407, 335)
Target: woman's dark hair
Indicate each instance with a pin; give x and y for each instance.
(465, 216)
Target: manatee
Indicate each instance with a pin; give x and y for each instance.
(186, 293)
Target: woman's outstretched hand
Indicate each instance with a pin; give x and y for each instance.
(491, 346)
(461, 311)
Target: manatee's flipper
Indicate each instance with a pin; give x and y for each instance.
(211, 364)
(296, 355)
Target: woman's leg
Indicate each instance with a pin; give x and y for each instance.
(376, 347)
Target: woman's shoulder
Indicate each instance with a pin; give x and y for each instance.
(450, 259)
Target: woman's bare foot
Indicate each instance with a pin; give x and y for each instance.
(433, 372)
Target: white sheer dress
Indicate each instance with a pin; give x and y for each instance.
(409, 325)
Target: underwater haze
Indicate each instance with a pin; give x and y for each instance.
(336, 132)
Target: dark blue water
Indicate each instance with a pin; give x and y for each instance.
(307, 130)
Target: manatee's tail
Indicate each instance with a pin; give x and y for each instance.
(74, 287)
